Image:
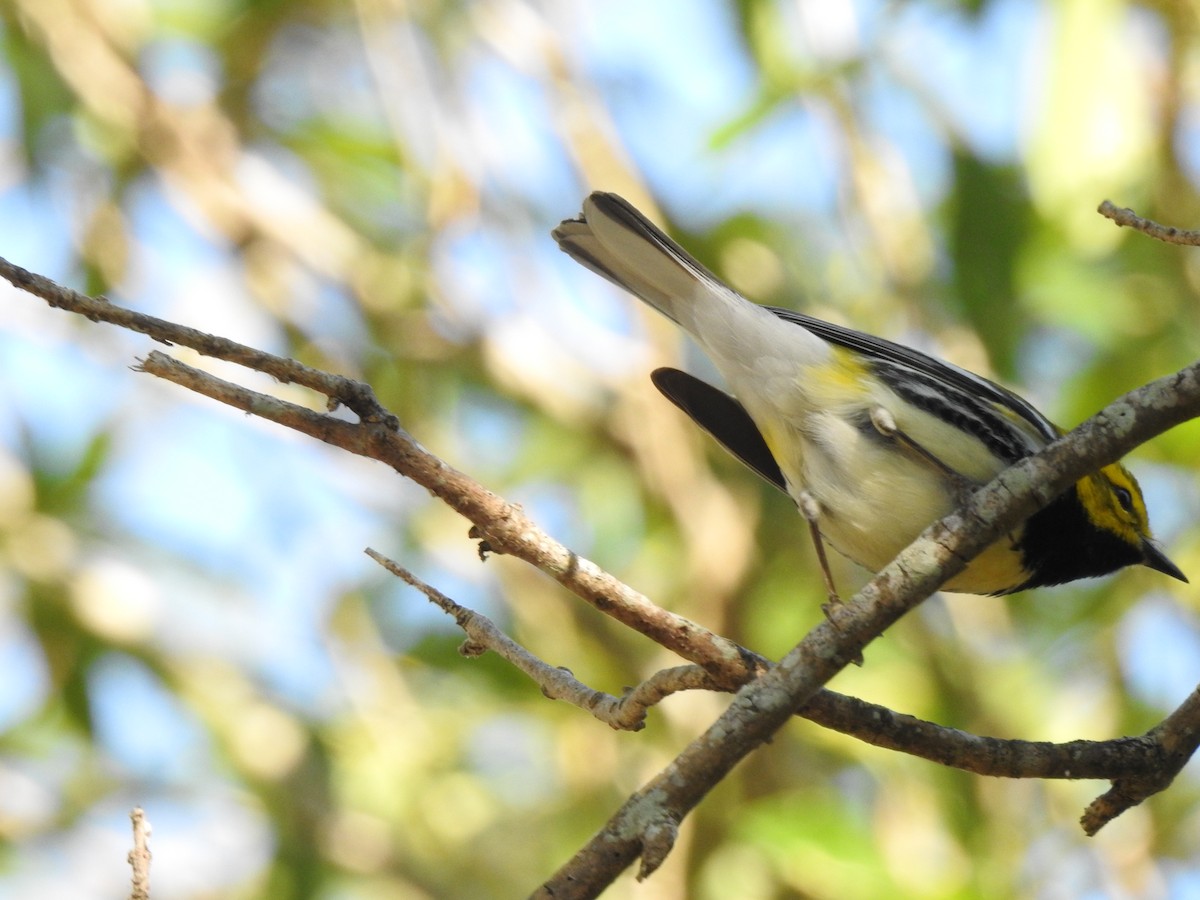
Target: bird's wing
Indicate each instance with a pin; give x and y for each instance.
(722, 417)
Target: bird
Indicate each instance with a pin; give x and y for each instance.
(871, 439)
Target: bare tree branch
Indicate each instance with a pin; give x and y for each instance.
(1177, 737)
(1167, 233)
(646, 824)
(991, 756)
(1134, 758)
(762, 706)
(503, 526)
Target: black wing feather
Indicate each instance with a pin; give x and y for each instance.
(721, 416)
(880, 348)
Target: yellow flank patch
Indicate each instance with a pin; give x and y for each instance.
(846, 370)
(827, 386)
(774, 441)
(1000, 564)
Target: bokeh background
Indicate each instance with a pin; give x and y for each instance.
(187, 621)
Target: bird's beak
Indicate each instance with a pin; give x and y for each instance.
(1155, 559)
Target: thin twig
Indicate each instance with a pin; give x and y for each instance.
(139, 856)
(1130, 757)
(991, 756)
(504, 527)
(556, 682)
(1167, 233)
(355, 395)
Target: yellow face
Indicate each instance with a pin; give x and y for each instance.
(1114, 502)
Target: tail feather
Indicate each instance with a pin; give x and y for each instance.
(617, 242)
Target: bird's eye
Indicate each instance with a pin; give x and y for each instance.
(1124, 498)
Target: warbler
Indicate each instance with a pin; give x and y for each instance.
(872, 440)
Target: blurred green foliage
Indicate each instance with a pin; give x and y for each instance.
(338, 182)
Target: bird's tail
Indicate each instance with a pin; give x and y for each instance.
(617, 242)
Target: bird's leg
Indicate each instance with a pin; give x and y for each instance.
(811, 510)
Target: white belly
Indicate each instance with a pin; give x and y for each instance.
(874, 496)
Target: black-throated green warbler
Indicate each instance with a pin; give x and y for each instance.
(873, 440)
